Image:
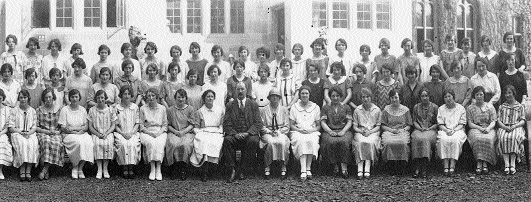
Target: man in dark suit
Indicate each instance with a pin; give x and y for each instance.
(241, 126)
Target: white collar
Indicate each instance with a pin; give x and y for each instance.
(491, 54)
(310, 108)
(340, 81)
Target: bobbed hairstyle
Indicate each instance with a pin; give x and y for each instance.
(365, 47)
(404, 42)
(57, 43)
(507, 34)
(152, 45)
(265, 68)
(343, 41)
(486, 38)
(509, 88)
(480, 59)
(384, 41)
(11, 36)
(304, 87)
(284, 61)
(29, 72)
(174, 65)
(46, 91)
(263, 50)
(125, 88)
(478, 89)
(297, 45)
(410, 70)
(152, 66)
(104, 47)
(203, 97)
(73, 92)
(5, 67)
(211, 68)
(180, 92)
(76, 46)
(339, 65)
(80, 63)
(215, 48)
(125, 46)
(25, 93)
(361, 66)
(335, 89)
(318, 41)
(100, 92)
(238, 62)
(448, 91)
(191, 72)
(176, 47)
(33, 40)
(128, 62)
(55, 71)
(194, 45)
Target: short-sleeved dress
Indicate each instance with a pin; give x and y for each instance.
(83, 84)
(208, 139)
(220, 88)
(288, 88)
(366, 148)
(450, 147)
(79, 147)
(462, 87)
(35, 93)
(336, 149)
(25, 150)
(194, 95)
(517, 80)
(305, 144)
(382, 93)
(155, 121)
(6, 150)
(51, 146)
(316, 91)
(423, 142)
(179, 148)
(168, 92)
(396, 146)
(436, 89)
(448, 57)
(260, 92)
(511, 142)
(110, 89)
(101, 120)
(11, 90)
(344, 83)
(483, 145)
(127, 151)
(200, 67)
(276, 148)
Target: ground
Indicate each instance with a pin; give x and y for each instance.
(380, 187)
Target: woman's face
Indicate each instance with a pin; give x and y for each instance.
(386, 73)
(450, 43)
(424, 97)
(214, 74)
(384, 47)
(54, 48)
(304, 95)
(428, 48)
(279, 53)
(509, 95)
(312, 72)
(317, 49)
(274, 99)
(77, 70)
(175, 53)
(239, 69)
(128, 69)
(481, 67)
(127, 52)
(55, 77)
(7, 74)
(152, 73)
(126, 95)
(511, 61)
(174, 72)
(297, 51)
(104, 54)
(407, 46)
(485, 43)
(11, 43)
(192, 79)
(48, 98)
(262, 73)
(151, 98)
(105, 76)
(150, 51)
(76, 52)
(243, 54)
(479, 96)
(216, 54)
(210, 97)
(366, 98)
(457, 71)
(74, 98)
(180, 99)
(509, 40)
(31, 78)
(32, 47)
(359, 73)
(286, 67)
(336, 71)
(466, 47)
(195, 51)
(262, 57)
(411, 76)
(448, 99)
(100, 99)
(395, 99)
(22, 99)
(334, 96)
(435, 74)
(341, 47)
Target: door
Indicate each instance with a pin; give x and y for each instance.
(281, 33)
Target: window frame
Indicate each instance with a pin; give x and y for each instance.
(424, 27)
(316, 23)
(518, 36)
(467, 7)
(92, 17)
(232, 11)
(376, 12)
(217, 14)
(193, 17)
(180, 16)
(358, 11)
(56, 18)
(347, 13)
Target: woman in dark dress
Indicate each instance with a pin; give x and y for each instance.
(511, 76)
(316, 85)
(507, 50)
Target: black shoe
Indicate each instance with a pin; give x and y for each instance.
(183, 176)
(22, 177)
(232, 177)
(344, 174)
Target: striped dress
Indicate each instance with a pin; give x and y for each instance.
(127, 151)
(6, 150)
(382, 91)
(288, 88)
(25, 150)
(51, 146)
(511, 142)
(101, 120)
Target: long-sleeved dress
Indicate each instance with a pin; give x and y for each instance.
(51, 146)
(25, 149)
(483, 145)
(276, 147)
(101, 120)
(208, 139)
(127, 151)
(155, 121)
(336, 149)
(450, 146)
(179, 148)
(79, 147)
(396, 146)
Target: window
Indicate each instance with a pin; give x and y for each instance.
(217, 14)
(518, 29)
(424, 22)
(465, 22)
(237, 17)
(115, 13)
(64, 13)
(92, 13)
(319, 14)
(194, 16)
(340, 14)
(364, 14)
(40, 14)
(383, 14)
(173, 13)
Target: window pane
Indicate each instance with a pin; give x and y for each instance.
(419, 15)
(194, 16)
(364, 14)
(459, 16)
(420, 39)
(469, 17)
(460, 36)
(111, 13)
(173, 13)
(40, 13)
(63, 13)
(92, 13)
(217, 15)
(319, 13)
(339, 14)
(237, 16)
(519, 27)
(383, 14)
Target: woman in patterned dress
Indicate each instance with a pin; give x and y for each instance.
(171, 85)
(6, 150)
(384, 86)
(73, 121)
(50, 140)
(152, 81)
(154, 124)
(482, 137)
(424, 136)
(451, 118)
(338, 79)
(287, 84)
(396, 122)
(511, 134)
(33, 59)
(182, 119)
(336, 120)
(126, 137)
(450, 54)
(104, 84)
(22, 126)
(16, 58)
(102, 122)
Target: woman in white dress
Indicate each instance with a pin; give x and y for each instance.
(305, 124)
(6, 150)
(216, 84)
(16, 58)
(8, 85)
(154, 124)
(126, 137)
(451, 118)
(78, 143)
(262, 87)
(52, 60)
(224, 67)
(22, 126)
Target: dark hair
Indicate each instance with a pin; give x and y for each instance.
(263, 50)
(5, 67)
(265, 68)
(506, 35)
(124, 88)
(367, 91)
(284, 61)
(338, 65)
(191, 72)
(404, 42)
(342, 41)
(2, 94)
(410, 70)
(511, 88)
(152, 65)
(194, 45)
(33, 40)
(105, 69)
(335, 89)
(29, 72)
(46, 91)
(424, 89)
(57, 43)
(174, 65)
(298, 45)
(215, 48)
(427, 41)
(11, 36)
(211, 68)
(124, 46)
(316, 66)
(24, 92)
(318, 41)
(104, 47)
(100, 92)
(180, 92)
(436, 67)
(79, 62)
(76, 46)
(176, 47)
(365, 47)
(154, 91)
(152, 45)
(449, 37)
(361, 66)
(241, 48)
(238, 62)
(388, 67)
(486, 38)
(304, 87)
(448, 91)
(480, 59)
(478, 89)
(54, 71)
(455, 65)
(128, 62)
(280, 46)
(392, 93)
(74, 92)
(466, 40)
(203, 97)
(386, 42)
